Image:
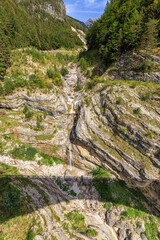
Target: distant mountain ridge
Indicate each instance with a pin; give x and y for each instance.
(86, 24)
(82, 23)
(90, 22)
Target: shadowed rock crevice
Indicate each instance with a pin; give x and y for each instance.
(47, 191)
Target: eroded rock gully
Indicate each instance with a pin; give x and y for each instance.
(106, 134)
(113, 137)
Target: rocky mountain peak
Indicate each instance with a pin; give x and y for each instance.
(90, 22)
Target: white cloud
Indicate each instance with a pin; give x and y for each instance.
(85, 6)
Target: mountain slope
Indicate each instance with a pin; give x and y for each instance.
(37, 23)
(125, 25)
(112, 128)
(82, 23)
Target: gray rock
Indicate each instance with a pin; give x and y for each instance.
(143, 236)
(38, 237)
(111, 218)
(122, 234)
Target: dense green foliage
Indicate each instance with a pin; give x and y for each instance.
(28, 23)
(28, 153)
(125, 25)
(4, 52)
(8, 86)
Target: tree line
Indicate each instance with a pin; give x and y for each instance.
(125, 25)
(27, 24)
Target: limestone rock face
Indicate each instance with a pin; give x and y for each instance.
(56, 8)
(114, 126)
(135, 66)
(111, 135)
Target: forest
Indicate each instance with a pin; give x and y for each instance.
(26, 24)
(125, 25)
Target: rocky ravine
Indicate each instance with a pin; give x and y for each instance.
(111, 135)
(115, 127)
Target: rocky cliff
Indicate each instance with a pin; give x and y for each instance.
(114, 127)
(55, 8)
(90, 22)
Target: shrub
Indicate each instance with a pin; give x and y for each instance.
(37, 79)
(1, 90)
(25, 153)
(91, 232)
(137, 110)
(8, 86)
(30, 153)
(51, 73)
(83, 64)
(78, 87)
(38, 122)
(28, 115)
(11, 201)
(106, 206)
(36, 56)
(64, 71)
(46, 159)
(32, 77)
(93, 82)
(88, 74)
(146, 96)
(150, 134)
(119, 101)
(20, 82)
(134, 85)
(25, 109)
(124, 130)
(58, 81)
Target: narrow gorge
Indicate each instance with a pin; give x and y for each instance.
(79, 121)
(89, 131)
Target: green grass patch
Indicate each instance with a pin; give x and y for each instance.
(28, 153)
(77, 221)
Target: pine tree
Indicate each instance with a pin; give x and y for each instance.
(151, 34)
(4, 53)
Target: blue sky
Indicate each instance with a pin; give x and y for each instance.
(84, 9)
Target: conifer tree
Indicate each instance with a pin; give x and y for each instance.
(151, 34)
(4, 53)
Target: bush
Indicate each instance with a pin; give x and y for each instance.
(51, 73)
(146, 96)
(93, 82)
(46, 159)
(78, 87)
(58, 81)
(36, 56)
(64, 71)
(20, 82)
(37, 79)
(11, 201)
(137, 110)
(150, 134)
(83, 64)
(25, 110)
(38, 123)
(8, 86)
(28, 115)
(88, 74)
(106, 206)
(23, 152)
(1, 90)
(119, 101)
